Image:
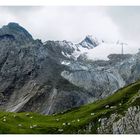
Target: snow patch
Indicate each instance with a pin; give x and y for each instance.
(65, 63)
(102, 51)
(66, 55)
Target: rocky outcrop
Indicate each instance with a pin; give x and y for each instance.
(127, 124)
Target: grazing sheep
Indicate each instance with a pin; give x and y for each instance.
(99, 120)
(4, 120)
(113, 107)
(78, 120)
(92, 114)
(64, 124)
(35, 125)
(68, 123)
(57, 119)
(31, 127)
(60, 130)
(19, 125)
(107, 106)
(27, 114)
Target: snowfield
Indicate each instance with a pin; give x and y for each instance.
(102, 51)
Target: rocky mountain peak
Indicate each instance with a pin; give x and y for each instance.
(89, 42)
(16, 31)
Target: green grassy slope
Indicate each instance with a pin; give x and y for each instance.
(70, 121)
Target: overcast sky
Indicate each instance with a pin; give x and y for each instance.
(73, 23)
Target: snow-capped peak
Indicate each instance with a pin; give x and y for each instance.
(89, 42)
(103, 50)
(94, 49)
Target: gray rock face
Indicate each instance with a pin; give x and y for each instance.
(60, 50)
(102, 78)
(99, 83)
(127, 124)
(30, 75)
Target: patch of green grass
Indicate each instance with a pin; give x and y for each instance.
(71, 121)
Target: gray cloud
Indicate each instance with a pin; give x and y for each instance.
(75, 22)
(128, 20)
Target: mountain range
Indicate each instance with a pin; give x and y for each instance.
(58, 76)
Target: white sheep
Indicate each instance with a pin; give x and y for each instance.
(60, 130)
(99, 120)
(113, 107)
(35, 125)
(4, 120)
(19, 125)
(107, 106)
(64, 124)
(31, 127)
(92, 114)
(27, 114)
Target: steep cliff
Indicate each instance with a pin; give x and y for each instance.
(30, 78)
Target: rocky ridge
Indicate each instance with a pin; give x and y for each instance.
(48, 78)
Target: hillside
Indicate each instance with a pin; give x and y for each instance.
(85, 119)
